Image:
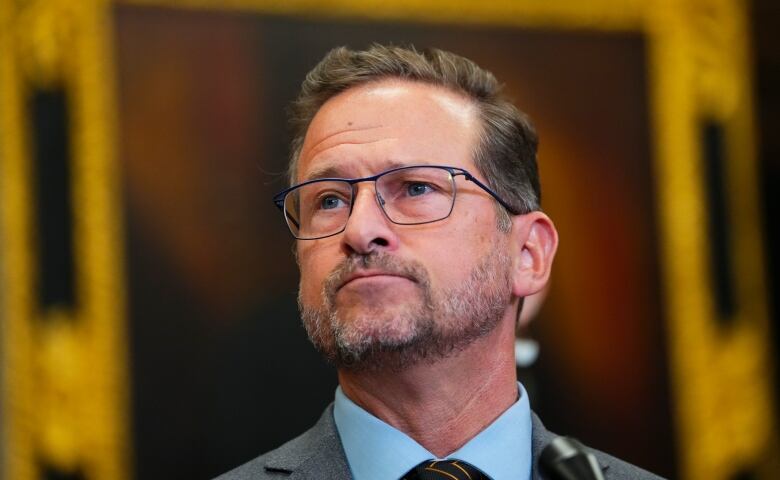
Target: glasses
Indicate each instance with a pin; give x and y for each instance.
(411, 195)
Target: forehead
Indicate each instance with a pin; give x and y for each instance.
(391, 121)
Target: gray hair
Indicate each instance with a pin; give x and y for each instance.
(506, 152)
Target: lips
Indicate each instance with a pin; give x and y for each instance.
(369, 273)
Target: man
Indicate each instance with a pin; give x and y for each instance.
(415, 208)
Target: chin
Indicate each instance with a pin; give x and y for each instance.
(376, 326)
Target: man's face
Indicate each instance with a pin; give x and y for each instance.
(387, 295)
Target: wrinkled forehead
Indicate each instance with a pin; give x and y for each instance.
(392, 116)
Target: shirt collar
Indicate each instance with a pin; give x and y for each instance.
(376, 450)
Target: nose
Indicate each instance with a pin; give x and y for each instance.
(368, 229)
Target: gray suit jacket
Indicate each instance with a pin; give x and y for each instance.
(318, 454)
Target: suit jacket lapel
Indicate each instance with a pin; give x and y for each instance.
(316, 454)
(540, 438)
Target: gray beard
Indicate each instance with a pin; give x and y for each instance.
(440, 323)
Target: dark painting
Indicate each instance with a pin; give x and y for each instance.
(221, 368)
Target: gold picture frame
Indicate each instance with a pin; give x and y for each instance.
(77, 371)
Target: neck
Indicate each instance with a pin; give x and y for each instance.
(443, 404)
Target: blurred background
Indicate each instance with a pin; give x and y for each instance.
(148, 325)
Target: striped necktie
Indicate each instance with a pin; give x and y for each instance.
(445, 470)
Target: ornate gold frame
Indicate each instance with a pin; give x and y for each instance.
(76, 372)
(65, 379)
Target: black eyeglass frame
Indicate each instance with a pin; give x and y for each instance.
(280, 197)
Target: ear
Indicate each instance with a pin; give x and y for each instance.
(535, 241)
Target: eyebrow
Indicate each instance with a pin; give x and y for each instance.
(333, 171)
(328, 171)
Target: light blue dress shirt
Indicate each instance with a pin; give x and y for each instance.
(378, 451)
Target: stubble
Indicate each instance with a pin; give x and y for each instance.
(425, 327)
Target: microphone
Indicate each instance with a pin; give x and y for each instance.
(565, 458)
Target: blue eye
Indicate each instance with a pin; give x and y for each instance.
(417, 189)
(330, 202)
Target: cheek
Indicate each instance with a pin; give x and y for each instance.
(310, 281)
(314, 268)
(449, 255)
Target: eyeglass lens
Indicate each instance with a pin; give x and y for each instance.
(408, 196)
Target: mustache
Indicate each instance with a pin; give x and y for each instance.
(374, 261)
